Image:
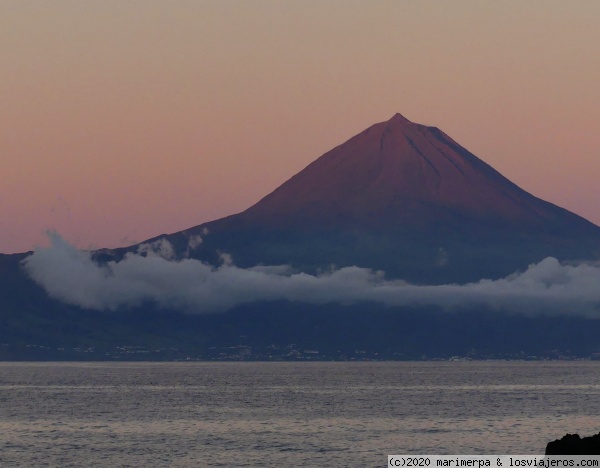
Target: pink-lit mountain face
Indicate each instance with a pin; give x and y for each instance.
(398, 173)
(404, 198)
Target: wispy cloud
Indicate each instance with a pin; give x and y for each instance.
(71, 275)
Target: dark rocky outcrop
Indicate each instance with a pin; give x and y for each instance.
(572, 444)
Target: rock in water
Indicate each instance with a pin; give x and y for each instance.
(572, 444)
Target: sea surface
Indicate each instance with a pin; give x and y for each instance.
(287, 414)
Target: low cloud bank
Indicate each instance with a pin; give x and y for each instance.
(73, 277)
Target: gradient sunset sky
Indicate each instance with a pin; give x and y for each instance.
(121, 121)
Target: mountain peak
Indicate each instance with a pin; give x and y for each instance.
(398, 119)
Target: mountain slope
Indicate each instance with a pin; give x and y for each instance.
(398, 173)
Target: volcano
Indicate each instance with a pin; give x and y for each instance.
(400, 197)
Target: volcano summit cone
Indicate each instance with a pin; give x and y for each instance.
(401, 174)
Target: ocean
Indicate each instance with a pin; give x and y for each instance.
(287, 414)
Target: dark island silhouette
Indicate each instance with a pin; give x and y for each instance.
(573, 444)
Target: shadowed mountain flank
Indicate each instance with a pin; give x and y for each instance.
(404, 198)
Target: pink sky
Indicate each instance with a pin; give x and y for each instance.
(120, 120)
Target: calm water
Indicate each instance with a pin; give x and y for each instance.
(287, 414)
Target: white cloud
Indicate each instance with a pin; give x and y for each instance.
(73, 277)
